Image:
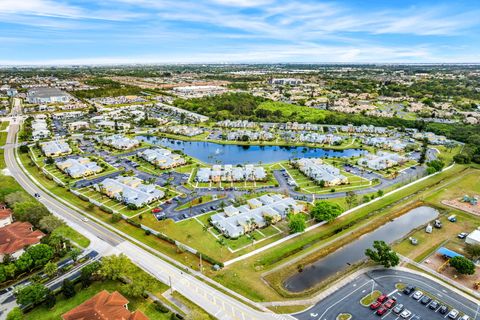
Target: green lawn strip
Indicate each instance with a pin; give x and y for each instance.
(4, 125)
(69, 233)
(199, 312)
(370, 298)
(63, 305)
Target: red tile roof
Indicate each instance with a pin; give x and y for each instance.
(104, 306)
(17, 236)
(5, 213)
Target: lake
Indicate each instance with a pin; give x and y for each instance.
(214, 153)
(354, 252)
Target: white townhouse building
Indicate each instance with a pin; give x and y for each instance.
(229, 173)
(55, 148)
(317, 170)
(162, 158)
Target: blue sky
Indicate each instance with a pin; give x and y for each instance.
(216, 31)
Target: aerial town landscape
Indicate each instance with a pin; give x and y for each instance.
(237, 190)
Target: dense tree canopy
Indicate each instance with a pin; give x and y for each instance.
(326, 211)
(382, 254)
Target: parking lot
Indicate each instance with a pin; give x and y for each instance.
(347, 299)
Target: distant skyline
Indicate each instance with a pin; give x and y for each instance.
(40, 32)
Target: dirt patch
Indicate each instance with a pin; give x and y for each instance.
(464, 206)
(436, 261)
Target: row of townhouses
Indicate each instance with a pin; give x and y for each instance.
(317, 170)
(162, 158)
(230, 173)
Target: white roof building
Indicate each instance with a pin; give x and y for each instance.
(162, 158)
(316, 169)
(55, 148)
(120, 142)
(230, 173)
(130, 190)
(234, 222)
(79, 167)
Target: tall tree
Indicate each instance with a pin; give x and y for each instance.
(462, 265)
(326, 211)
(32, 294)
(50, 269)
(296, 223)
(40, 254)
(383, 254)
(68, 289)
(50, 223)
(351, 199)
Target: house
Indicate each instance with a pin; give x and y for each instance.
(77, 125)
(104, 306)
(257, 213)
(67, 115)
(120, 142)
(130, 190)
(5, 217)
(228, 173)
(182, 130)
(162, 158)
(79, 167)
(104, 124)
(47, 95)
(40, 128)
(55, 148)
(14, 237)
(285, 81)
(317, 170)
(381, 161)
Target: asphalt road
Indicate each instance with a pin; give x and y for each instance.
(105, 241)
(347, 298)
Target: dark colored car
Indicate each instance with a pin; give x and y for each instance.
(434, 305)
(375, 305)
(381, 311)
(382, 298)
(425, 300)
(443, 309)
(390, 303)
(408, 289)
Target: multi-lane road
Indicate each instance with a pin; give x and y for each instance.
(106, 241)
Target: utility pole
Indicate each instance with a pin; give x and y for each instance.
(201, 266)
(170, 281)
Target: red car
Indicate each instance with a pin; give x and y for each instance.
(382, 298)
(156, 210)
(375, 305)
(381, 311)
(390, 303)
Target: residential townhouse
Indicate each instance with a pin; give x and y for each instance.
(119, 142)
(78, 125)
(182, 130)
(55, 148)
(381, 161)
(247, 135)
(229, 173)
(234, 222)
(79, 167)
(130, 190)
(317, 170)
(162, 158)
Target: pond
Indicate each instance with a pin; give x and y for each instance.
(354, 252)
(214, 153)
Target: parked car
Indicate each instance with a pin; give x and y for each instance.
(405, 314)
(443, 309)
(452, 218)
(434, 305)
(156, 210)
(398, 308)
(375, 305)
(185, 215)
(408, 290)
(417, 295)
(437, 224)
(453, 314)
(382, 298)
(381, 311)
(425, 300)
(416, 318)
(390, 303)
(462, 235)
(465, 317)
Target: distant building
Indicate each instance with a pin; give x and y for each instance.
(77, 125)
(104, 306)
(120, 142)
(286, 81)
(381, 161)
(47, 95)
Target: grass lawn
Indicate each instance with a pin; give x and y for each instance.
(3, 139)
(63, 305)
(370, 298)
(465, 183)
(69, 233)
(4, 125)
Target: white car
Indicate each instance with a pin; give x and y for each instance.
(405, 314)
(464, 317)
(453, 314)
(417, 295)
(84, 219)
